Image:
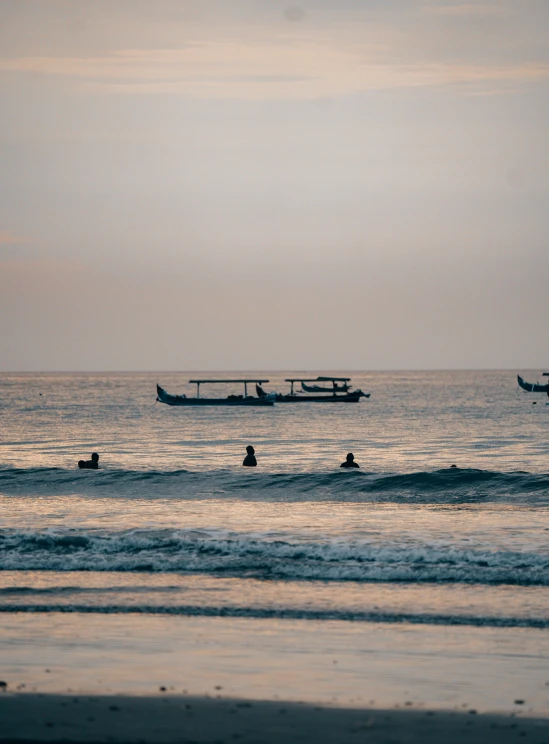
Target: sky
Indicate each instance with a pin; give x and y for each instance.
(255, 184)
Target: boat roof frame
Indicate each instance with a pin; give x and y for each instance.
(317, 379)
(253, 379)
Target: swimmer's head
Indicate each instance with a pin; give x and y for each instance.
(250, 450)
(350, 457)
(95, 457)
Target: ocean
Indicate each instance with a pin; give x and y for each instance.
(173, 525)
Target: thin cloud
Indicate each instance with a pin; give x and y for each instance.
(465, 9)
(7, 237)
(230, 69)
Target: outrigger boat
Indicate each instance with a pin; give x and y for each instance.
(232, 400)
(534, 387)
(319, 394)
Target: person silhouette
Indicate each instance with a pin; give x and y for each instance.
(249, 460)
(349, 462)
(92, 464)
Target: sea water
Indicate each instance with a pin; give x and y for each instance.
(173, 525)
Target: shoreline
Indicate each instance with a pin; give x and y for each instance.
(166, 718)
(358, 665)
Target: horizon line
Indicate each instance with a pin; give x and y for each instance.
(263, 370)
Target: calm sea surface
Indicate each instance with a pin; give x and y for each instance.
(172, 523)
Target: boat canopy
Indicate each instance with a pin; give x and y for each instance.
(317, 379)
(242, 381)
(253, 379)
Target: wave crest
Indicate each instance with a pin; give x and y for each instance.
(449, 485)
(244, 556)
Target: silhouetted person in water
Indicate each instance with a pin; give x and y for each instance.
(92, 464)
(349, 462)
(249, 460)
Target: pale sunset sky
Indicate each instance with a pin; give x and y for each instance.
(255, 184)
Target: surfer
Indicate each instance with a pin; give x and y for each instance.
(349, 462)
(249, 460)
(92, 464)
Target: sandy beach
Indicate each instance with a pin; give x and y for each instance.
(105, 678)
(175, 718)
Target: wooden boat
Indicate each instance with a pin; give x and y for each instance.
(534, 387)
(328, 395)
(232, 400)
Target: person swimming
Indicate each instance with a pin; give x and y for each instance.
(92, 464)
(249, 460)
(349, 462)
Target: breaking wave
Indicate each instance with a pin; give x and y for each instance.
(217, 553)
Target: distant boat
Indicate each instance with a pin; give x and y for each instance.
(232, 400)
(318, 393)
(534, 387)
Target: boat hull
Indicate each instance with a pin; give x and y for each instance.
(349, 398)
(179, 400)
(532, 387)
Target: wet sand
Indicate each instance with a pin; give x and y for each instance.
(364, 665)
(102, 678)
(33, 717)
